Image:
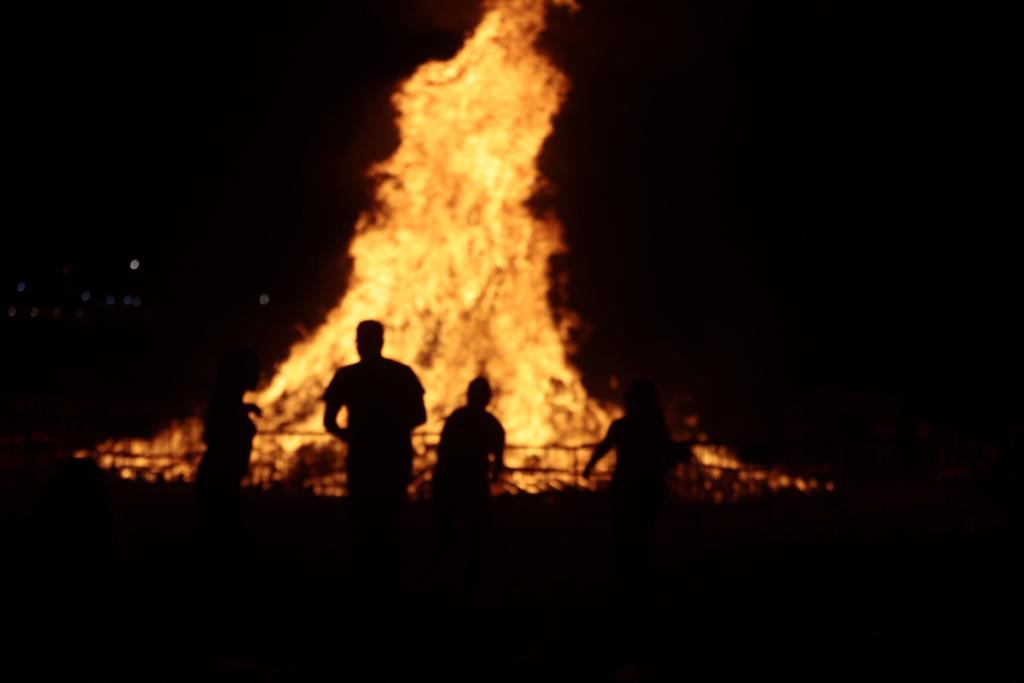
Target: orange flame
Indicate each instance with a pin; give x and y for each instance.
(450, 258)
(453, 262)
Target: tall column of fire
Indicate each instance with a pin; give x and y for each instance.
(450, 258)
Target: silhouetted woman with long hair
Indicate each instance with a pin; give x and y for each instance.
(643, 447)
(228, 432)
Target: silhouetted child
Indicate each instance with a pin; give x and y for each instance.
(228, 432)
(644, 452)
(461, 486)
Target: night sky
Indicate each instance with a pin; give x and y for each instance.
(789, 213)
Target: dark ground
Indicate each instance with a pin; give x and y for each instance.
(895, 578)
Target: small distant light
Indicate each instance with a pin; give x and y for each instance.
(264, 299)
(34, 312)
(127, 299)
(79, 313)
(22, 287)
(109, 300)
(86, 295)
(12, 311)
(134, 265)
(137, 301)
(57, 313)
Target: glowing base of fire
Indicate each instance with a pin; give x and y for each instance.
(716, 475)
(456, 264)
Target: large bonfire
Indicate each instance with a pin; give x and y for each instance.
(450, 258)
(454, 263)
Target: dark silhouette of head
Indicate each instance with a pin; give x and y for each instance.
(642, 399)
(238, 372)
(479, 393)
(369, 339)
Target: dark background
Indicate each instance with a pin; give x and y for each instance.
(792, 214)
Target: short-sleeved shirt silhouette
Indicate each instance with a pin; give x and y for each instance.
(385, 401)
(468, 438)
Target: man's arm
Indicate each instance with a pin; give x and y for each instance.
(333, 402)
(600, 451)
(499, 452)
(331, 421)
(444, 444)
(417, 411)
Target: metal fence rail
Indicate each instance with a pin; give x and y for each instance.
(318, 467)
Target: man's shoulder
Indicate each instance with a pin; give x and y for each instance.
(394, 365)
(493, 421)
(480, 418)
(399, 369)
(457, 415)
(352, 368)
(364, 368)
(385, 369)
(345, 374)
(337, 377)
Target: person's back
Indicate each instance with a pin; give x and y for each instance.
(228, 433)
(228, 430)
(470, 437)
(382, 397)
(642, 447)
(461, 489)
(385, 403)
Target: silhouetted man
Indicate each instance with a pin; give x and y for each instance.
(384, 399)
(461, 485)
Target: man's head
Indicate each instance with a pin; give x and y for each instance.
(369, 339)
(479, 393)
